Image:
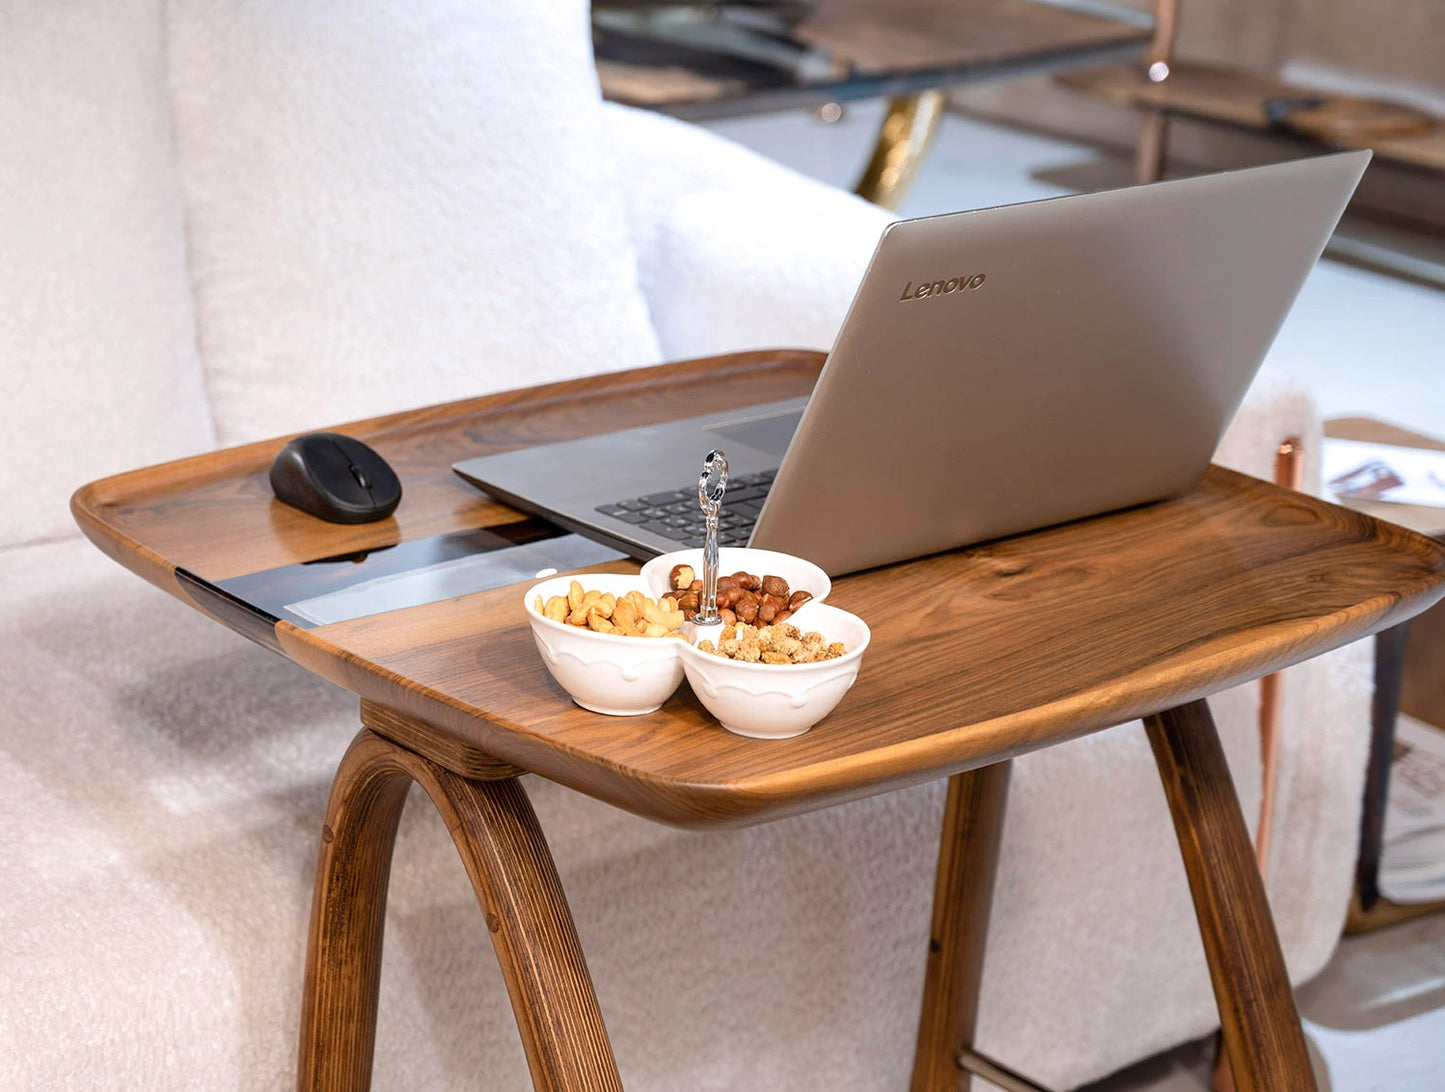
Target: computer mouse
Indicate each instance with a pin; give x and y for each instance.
(336, 478)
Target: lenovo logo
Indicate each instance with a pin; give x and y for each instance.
(941, 288)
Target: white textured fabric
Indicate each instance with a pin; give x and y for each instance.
(395, 204)
(802, 259)
(97, 346)
(736, 252)
(1277, 408)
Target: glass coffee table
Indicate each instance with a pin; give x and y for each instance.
(707, 60)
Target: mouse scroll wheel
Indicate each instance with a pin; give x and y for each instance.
(360, 476)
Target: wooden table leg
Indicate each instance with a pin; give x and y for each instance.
(1261, 1028)
(962, 898)
(496, 832)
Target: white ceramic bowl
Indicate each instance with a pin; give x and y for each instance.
(801, 575)
(620, 676)
(775, 701)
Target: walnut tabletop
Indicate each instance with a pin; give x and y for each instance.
(977, 655)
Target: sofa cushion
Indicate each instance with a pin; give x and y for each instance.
(162, 788)
(97, 344)
(735, 250)
(396, 204)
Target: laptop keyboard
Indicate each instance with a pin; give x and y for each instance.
(677, 515)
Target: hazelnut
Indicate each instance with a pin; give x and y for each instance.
(798, 598)
(680, 577)
(775, 585)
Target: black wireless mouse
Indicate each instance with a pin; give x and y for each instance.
(335, 478)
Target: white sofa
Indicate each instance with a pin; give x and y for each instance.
(225, 219)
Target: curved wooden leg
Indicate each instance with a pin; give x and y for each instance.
(1261, 1028)
(962, 898)
(496, 832)
(348, 910)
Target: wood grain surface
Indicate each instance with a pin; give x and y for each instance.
(525, 911)
(215, 516)
(977, 655)
(1237, 96)
(348, 915)
(1262, 1035)
(962, 899)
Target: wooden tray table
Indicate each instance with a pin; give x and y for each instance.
(977, 655)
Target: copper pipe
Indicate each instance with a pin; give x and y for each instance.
(1154, 125)
(1166, 33)
(1289, 472)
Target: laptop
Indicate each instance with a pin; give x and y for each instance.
(998, 371)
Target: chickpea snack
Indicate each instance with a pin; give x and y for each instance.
(631, 614)
(777, 661)
(608, 642)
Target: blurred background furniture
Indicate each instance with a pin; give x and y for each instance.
(1165, 85)
(1232, 87)
(1308, 118)
(1409, 678)
(699, 60)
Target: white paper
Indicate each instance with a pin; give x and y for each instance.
(1353, 469)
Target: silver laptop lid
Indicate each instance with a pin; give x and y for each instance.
(1016, 367)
